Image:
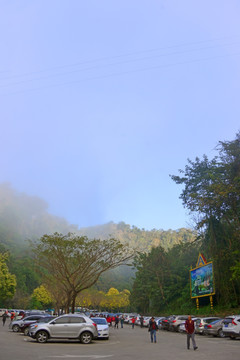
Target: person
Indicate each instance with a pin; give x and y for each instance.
(12, 315)
(141, 321)
(109, 320)
(113, 320)
(190, 329)
(153, 329)
(122, 321)
(116, 321)
(4, 317)
(133, 322)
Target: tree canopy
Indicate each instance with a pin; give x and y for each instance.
(212, 191)
(73, 263)
(7, 280)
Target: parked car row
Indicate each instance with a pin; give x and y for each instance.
(43, 327)
(216, 326)
(227, 327)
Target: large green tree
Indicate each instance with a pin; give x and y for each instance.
(212, 193)
(74, 263)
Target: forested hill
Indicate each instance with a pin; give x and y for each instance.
(141, 239)
(24, 217)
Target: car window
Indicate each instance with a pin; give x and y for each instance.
(215, 321)
(227, 320)
(76, 320)
(208, 321)
(62, 320)
(99, 321)
(31, 318)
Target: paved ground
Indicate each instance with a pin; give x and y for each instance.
(123, 344)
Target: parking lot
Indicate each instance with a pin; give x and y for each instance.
(126, 343)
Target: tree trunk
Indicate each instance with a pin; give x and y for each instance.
(73, 302)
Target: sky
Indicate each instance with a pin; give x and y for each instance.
(101, 100)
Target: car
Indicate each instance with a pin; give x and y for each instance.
(200, 322)
(15, 324)
(159, 322)
(231, 326)
(165, 324)
(68, 326)
(214, 328)
(174, 323)
(24, 328)
(102, 327)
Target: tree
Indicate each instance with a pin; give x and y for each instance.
(42, 297)
(7, 280)
(75, 263)
(212, 191)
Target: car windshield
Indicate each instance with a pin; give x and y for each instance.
(99, 321)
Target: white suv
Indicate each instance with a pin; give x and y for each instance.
(231, 326)
(69, 326)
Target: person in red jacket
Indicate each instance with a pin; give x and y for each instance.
(190, 329)
(133, 322)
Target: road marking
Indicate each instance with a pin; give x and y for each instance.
(80, 356)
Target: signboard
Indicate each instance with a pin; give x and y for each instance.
(201, 281)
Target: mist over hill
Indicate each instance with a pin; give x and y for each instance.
(24, 217)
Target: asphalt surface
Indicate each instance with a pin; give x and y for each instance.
(124, 344)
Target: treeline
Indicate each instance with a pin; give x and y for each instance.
(141, 239)
(212, 194)
(112, 300)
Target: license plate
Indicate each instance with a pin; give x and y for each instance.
(226, 325)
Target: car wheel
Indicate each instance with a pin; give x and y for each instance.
(42, 337)
(86, 337)
(15, 328)
(178, 328)
(26, 331)
(221, 333)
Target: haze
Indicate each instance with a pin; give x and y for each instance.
(101, 100)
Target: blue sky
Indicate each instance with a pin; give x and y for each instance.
(101, 100)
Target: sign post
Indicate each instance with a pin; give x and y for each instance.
(202, 281)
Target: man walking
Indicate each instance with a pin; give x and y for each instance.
(189, 326)
(153, 329)
(4, 317)
(122, 321)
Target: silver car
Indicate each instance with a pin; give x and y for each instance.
(201, 322)
(214, 328)
(69, 326)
